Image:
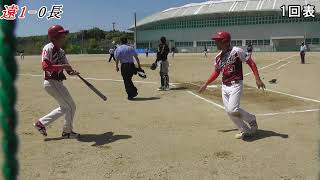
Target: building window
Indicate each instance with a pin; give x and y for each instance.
(263, 42)
(254, 42)
(226, 21)
(205, 43)
(315, 41)
(183, 44)
(266, 42)
(260, 42)
(236, 43)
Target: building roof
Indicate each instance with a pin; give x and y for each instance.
(221, 6)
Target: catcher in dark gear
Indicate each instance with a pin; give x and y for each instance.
(162, 57)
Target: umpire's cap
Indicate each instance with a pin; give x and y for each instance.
(55, 31)
(222, 35)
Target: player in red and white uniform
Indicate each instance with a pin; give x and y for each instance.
(54, 62)
(229, 62)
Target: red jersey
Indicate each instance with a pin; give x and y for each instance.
(52, 56)
(230, 63)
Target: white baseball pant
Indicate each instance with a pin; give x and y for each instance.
(231, 99)
(60, 93)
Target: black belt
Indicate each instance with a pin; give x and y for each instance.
(230, 83)
(128, 63)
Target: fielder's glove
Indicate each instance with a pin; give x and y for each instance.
(141, 73)
(153, 66)
(273, 81)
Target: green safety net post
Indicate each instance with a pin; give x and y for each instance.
(8, 117)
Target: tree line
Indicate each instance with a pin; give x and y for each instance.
(91, 41)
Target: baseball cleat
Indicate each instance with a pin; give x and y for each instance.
(161, 89)
(242, 135)
(132, 97)
(253, 125)
(167, 88)
(71, 135)
(41, 128)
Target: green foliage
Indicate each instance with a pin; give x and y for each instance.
(73, 49)
(91, 41)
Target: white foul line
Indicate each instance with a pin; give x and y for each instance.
(208, 101)
(299, 97)
(95, 79)
(284, 65)
(146, 82)
(265, 114)
(272, 64)
(289, 112)
(263, 68)
(33, 75)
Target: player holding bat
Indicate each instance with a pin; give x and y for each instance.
(54, 62)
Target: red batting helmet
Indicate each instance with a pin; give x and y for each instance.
(222, 35)
(55, 30)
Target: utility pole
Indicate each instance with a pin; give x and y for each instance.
(135, 30)
(82, 41)
(113, 26)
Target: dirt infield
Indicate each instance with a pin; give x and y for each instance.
(177, 134)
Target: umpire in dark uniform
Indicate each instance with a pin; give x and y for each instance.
(126, 55)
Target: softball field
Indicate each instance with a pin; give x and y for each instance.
(177, 134)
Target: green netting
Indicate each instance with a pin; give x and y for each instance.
(8, 72)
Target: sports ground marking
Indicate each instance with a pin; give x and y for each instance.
(94, 79)
(204, 99)
(289, 112)
(295, 96)
(207, 100)
(281, 60)
(149, 82)
(264, 114)
(284, 65)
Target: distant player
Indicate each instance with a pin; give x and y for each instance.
(22, 54)
(205, 51)
(249, 49)
(173, 50)
(147, 52)
(229, 62)
(54, 62)
(303, 49)
(162, 58)
(111, 51)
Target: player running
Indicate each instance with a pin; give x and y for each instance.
(54, 62)
(229, 62)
